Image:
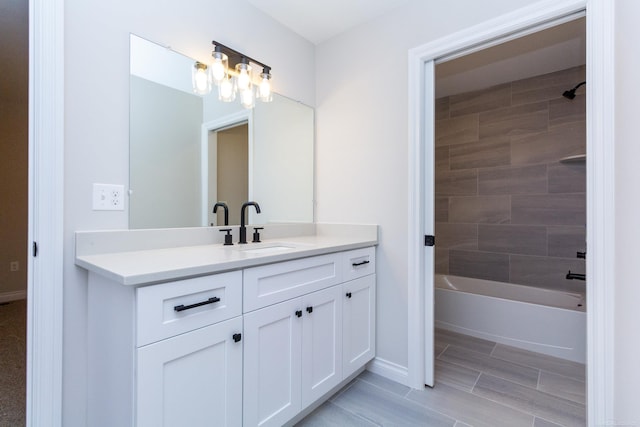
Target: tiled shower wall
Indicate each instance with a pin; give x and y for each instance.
(507, 209)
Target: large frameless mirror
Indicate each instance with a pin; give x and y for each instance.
(190, 151)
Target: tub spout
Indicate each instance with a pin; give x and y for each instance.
(576, 276)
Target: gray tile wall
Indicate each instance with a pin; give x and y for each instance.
(506, 208)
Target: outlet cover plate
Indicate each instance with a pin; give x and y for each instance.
(108, 197)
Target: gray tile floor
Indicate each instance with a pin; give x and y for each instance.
(478, 383)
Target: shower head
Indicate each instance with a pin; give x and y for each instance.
(570, 94)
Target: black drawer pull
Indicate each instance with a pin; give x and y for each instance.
(358, 264)
(348, 294)
(183, 307)
(309, 310)
(237, 337)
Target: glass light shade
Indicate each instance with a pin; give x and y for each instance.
(219, 67)
(201, 78)
(247, 98)
(244, 78)
(264, 90)
(227, 89)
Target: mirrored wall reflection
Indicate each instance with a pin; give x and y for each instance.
(188, 152)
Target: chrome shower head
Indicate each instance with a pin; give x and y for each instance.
(570, 94)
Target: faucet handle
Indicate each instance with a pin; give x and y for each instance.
(256, 234)
(228, 238)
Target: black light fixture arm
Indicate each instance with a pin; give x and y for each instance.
(236, 57)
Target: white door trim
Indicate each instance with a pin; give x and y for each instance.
(228, 121)
(46, 203)
(600, 182)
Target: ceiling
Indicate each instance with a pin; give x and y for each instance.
(553, 49)
(550, 50)
(320, 20)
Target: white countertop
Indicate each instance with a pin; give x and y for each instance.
(153, 265)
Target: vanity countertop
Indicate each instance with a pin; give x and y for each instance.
(153, 265)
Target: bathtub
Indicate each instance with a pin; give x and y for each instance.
(540, 320)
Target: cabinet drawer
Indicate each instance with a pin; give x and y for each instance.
(359, 263)
(174, 308)
(270, 284)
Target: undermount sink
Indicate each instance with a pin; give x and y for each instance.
(267, 249)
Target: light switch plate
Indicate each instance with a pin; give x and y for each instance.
(108, 197)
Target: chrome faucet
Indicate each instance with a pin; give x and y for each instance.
(226, 211)
(243, 228)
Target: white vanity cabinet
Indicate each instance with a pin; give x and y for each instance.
(166, 355)
(358, 319)
(292, 356)
(256, 346)
(194, 379)
(359, 310)
(294, 345)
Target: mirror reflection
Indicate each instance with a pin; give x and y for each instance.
(189, 152)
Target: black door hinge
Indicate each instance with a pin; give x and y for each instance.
(35, 249)
(429, 240)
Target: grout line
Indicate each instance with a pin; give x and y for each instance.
(443, 350)
(345, 388)
(432, 409)
(564, 376)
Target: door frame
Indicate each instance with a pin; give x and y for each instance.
(46, 210)
(600, 181)
(228, 121)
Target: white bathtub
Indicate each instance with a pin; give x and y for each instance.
(541, 320)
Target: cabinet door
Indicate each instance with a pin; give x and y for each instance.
(193, 379)
(272, 364)
(321, 343)
(359, 316)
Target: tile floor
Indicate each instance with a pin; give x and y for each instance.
(478, 383)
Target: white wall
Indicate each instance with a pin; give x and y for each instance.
(627, 147)
(164, 156)
(283, 162)
(97, 117)
(362, 147)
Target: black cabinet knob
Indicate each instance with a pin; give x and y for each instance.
(309, 310)
(299, 313)
(237, 337)
(348, 294)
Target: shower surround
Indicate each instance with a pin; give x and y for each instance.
(507, 209)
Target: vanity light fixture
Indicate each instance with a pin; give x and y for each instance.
(238, 79)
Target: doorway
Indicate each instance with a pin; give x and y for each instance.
(510, 187)
(228, 171)
(600, 186)
(14, 173)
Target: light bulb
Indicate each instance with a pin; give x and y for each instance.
(246, 98)
(243, 80)
(218, 70)
(201, 79)
(219, 66)
(264, 89)
(225, 90)
(244, 76)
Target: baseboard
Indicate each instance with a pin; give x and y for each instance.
(12, 296)
(389, 370)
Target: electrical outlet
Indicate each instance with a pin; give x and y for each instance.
(108, 197)
(14, 266)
